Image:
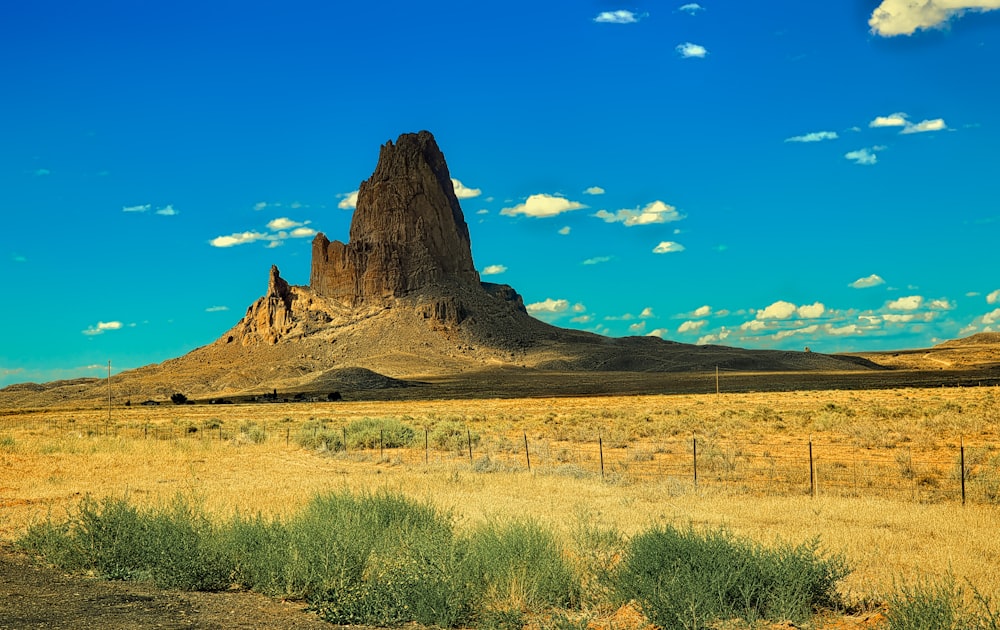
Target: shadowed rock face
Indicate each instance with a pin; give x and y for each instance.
(408, 231)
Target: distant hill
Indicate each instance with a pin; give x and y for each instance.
(979, 351)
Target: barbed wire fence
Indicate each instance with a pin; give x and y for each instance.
(950, 471)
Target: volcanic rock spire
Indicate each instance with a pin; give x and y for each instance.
(408, 231)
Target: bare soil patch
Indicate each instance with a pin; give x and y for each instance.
(38, 596)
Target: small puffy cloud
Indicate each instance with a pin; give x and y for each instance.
(753, 325)
(702, 311)
(565, 230)
(992, 317)
(260, 205)
(923, 126)
(579, 307)
(779, 310)
(869, 281)
(594, 190)
(905, 17)
(646, 313)
(908, 303)
(993, 297)
(543, 206)
(461, 191)
(816, 136)
(840, 331)
(892, 120)
(239, 238)
(283, 223)
(101, 327)
(617, 17)
(216, 309)
(581, 319)
(637, 327)
(668, 247)
(808, 330)
(301, 232)
(492, 270)
(596, 260)
(655, 212)
(548, 306)
(167, 211)
(141, 208)
(691, 326)
(691, 8)
(941, 304)
(348, 201)
(658, 332)
(811, 311)
(688, 50)
(865, 156)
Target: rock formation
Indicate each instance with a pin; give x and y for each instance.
(270, 318)
(408, 232)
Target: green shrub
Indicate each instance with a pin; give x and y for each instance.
(373, 432)
(940, 605)
(452, 436)
(253, 432)
(686, 579)
(315, 435)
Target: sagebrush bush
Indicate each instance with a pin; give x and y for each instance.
(452, 436)
(373, 432)
(682, 578)
(939, 604)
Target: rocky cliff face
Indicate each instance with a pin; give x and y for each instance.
(408, 232)
(270, 318)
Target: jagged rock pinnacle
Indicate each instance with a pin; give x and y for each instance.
(408, 231)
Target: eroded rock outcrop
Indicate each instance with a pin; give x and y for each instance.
(408, 231)
(270, 318)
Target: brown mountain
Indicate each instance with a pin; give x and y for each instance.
(403, 298)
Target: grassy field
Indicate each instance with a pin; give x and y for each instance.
(253, 459)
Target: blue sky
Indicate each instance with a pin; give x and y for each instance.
(766, 175)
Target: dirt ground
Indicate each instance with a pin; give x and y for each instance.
(37, 596)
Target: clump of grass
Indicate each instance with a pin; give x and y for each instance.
(252, 432)
(940, 604)
(686, 579)
(452, 436)
(7, 443)
(379, 432)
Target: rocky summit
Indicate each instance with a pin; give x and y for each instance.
(403, 298)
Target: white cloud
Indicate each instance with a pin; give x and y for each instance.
(260, 205)
(892, 120)
(492, 270)
(808, 330)
(668, 247)
(691, 8)
(594, 190)
(840, 331)
(348, 201)
(688, 50)
(462, 192)
(239, 238)
(101, 327)
(811, 311)
(778, 310)
(753, 325)
(691, 326)
(637, 327)
(923, 126)
(216, 309)
(646, 313)
(596, 260)
(579, 307)
(702, 311)
(564, 230)
(301, 232)
(993, 297)
(167, 211)
(542, 206)
(908, 303)
(655, 212)
(142, 208)
(658, 332)
(816, 136)
(617, 17)
(548, 306)
(897, 318)
(992, 317)
(283, 223)
(905, 17)
(581, 319)
(941, 304)
(864, 156)
(869, 281)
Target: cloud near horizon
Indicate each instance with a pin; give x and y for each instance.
(668, 247)
(102, 327)
(873, 280)
(348, 201)
(905, 17)
(547, 306)
(279, 233)
(492, 270)
(816, 136)
(617, 17)
(461, 191)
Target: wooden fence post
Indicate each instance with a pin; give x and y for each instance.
(427, 451)
(694, 449)
(600, 448)
(468, 433)
(961, 461)
(527, 455)
(812, 471)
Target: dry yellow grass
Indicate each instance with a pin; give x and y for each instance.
(49, 460)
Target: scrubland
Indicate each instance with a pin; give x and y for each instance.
(885, 492)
